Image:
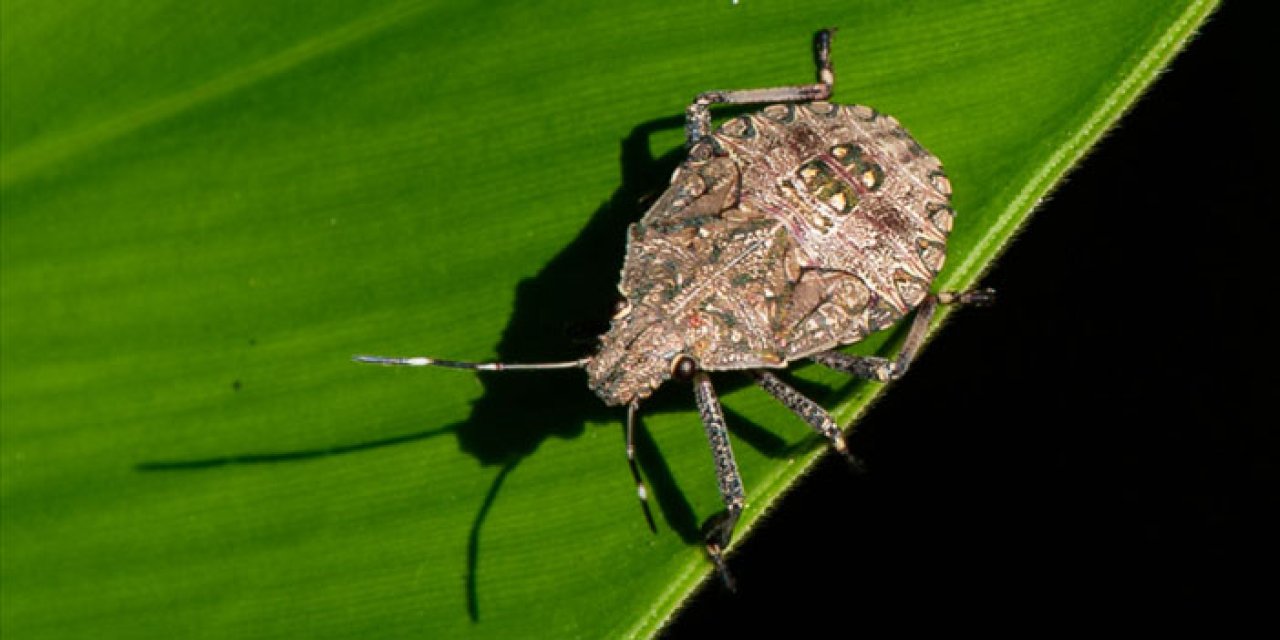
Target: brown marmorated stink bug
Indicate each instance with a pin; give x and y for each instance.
(787, 233)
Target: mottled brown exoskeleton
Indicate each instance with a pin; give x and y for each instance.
(787, 233)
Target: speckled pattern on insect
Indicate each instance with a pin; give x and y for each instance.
(786, 233)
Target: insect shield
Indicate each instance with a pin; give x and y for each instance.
(785, 234)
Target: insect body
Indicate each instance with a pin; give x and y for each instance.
(788, 232)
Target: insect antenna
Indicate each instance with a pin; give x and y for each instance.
(422, 361)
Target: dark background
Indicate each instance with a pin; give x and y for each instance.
(1093, 449)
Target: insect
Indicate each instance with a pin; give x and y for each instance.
(786, 233)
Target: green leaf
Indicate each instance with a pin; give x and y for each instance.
(207, 210)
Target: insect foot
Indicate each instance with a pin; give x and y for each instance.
(975, 297)
(787, 233)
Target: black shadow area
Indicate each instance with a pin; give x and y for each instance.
(1097, 449)
(557, 315)
(552, 320)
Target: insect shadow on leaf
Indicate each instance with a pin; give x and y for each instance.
(512, 418)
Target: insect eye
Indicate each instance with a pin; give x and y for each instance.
(683, 367)
(621, 308)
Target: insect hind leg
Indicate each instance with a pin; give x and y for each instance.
(884, 369)
(698, 115)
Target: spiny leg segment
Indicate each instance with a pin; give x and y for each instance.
(884, 369)
(719, 529)
(811, 412)
(698, 117)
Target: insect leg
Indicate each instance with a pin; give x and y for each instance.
(719, 529)
(635, 470)
(975, 297)
(884, 369)
(698, 117)
(808, 410)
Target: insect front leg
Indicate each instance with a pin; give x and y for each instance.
(698, 116)
(884, 369)
(719, 529)
(641, 492)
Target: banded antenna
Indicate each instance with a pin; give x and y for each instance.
(580, 363)
(422, 361)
